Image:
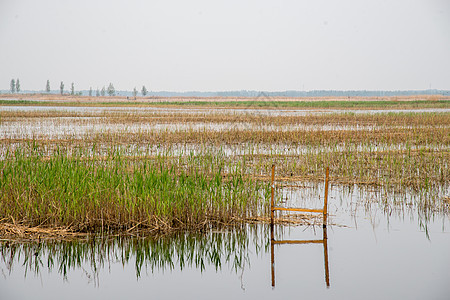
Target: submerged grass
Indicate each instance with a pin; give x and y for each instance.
(139, 117)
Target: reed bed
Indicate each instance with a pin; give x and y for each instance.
(266, 117)
(412, 136)
(415, 136)
(354, 104)
(425, 101)
(417, 168)
(114, 194)
(197, 178)
(422, 171)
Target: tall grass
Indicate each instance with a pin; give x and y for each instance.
(113, 193)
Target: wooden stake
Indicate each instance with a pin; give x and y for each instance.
(272, 255)
(325, 201)
(271, 201)
(298, 209)
(325, 256)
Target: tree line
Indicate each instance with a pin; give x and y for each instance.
(110, 90)
(15, 87)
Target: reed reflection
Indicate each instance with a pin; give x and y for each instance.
(221, 249)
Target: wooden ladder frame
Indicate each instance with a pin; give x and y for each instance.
(323, 211)
(323, 241)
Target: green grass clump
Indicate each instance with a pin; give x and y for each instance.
(93, 194)
(17, 102)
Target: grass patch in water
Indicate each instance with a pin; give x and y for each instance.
(114, 194)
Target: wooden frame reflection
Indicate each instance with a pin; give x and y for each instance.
(323, 241)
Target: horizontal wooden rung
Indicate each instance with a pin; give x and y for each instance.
(298, 209)
(298, 242)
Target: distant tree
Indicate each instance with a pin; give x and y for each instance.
(17, 85)
(111, 90)
(61, 88)
(47, 86)
(72, 89)
(13, 86)
(90, 91)
(97, 93)
(135, 92)
(103, 91)
(144, 91)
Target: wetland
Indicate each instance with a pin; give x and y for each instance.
(107, 199)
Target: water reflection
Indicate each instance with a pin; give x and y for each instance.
(231, 249)
(227, 249)
(93, 254)
(323, 241)
(236, 263)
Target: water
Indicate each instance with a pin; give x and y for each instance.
(58, 128)
(372, 253)
(239, 111)
(80, 127)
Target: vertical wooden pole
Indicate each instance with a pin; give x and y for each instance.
(325, 237)
(325, 256)
(272, 188)
(272, 255)
(325, 201)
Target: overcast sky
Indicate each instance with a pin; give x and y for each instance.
(226, 45)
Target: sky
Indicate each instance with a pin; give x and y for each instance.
(207, 45)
